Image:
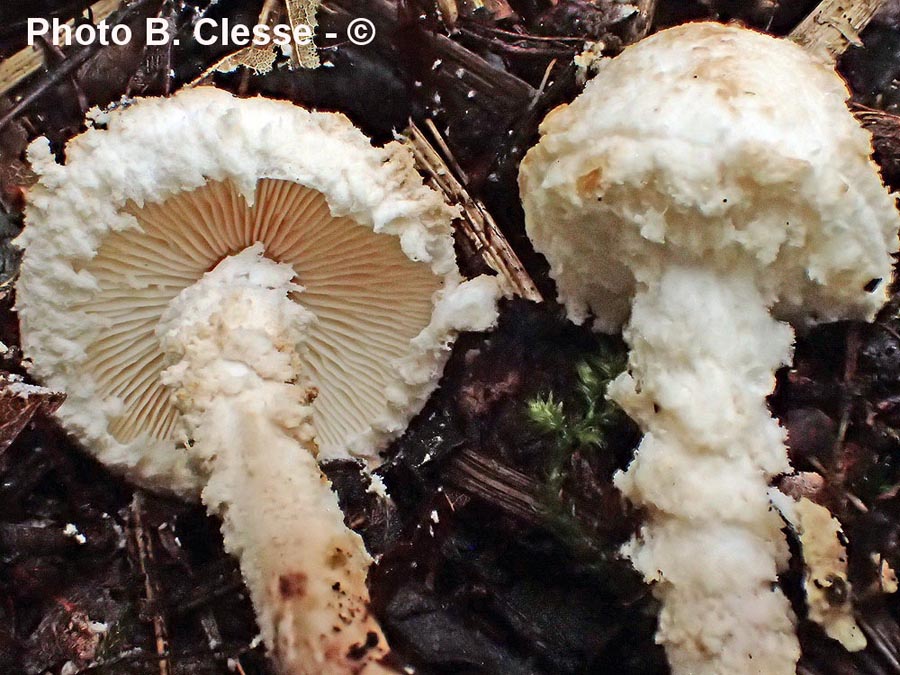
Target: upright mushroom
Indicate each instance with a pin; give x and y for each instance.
(708, 184)
(228, 290)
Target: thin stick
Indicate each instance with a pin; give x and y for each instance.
(64, 69)
(24, 63)
(507, 488)
(444, 148)
(166, 10)
(834, 26)
(61, 56)
(139, 656)
(145, 553)
(477, 224)
(885, 643)
(642, 20)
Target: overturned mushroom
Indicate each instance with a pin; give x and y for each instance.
(707, 183)
(228, 290)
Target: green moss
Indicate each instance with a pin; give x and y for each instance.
(585, 423)
(579, 423)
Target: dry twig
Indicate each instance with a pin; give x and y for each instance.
(24, 63)
(642, 21)
(834, 26)
(145, 556)
(69, 66)
(885, 130)
(481, 476)
(477, 224)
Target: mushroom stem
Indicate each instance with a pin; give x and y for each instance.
(305, 569)
(704, 350)
(236, 341)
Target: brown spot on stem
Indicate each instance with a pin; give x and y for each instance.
(358, 651)
(338, 558)
(292, 585)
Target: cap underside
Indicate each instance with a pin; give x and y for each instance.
(368, 297)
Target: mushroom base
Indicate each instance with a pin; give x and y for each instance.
(704, 350)
(237, 341)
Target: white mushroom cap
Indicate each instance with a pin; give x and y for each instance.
(742, 150)
(708, 175)
(142, 209)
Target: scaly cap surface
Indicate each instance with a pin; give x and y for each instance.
(714, 143)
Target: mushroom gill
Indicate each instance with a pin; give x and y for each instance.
(368, 297)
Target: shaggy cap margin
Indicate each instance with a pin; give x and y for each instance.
(741, 152)
(158, 148)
